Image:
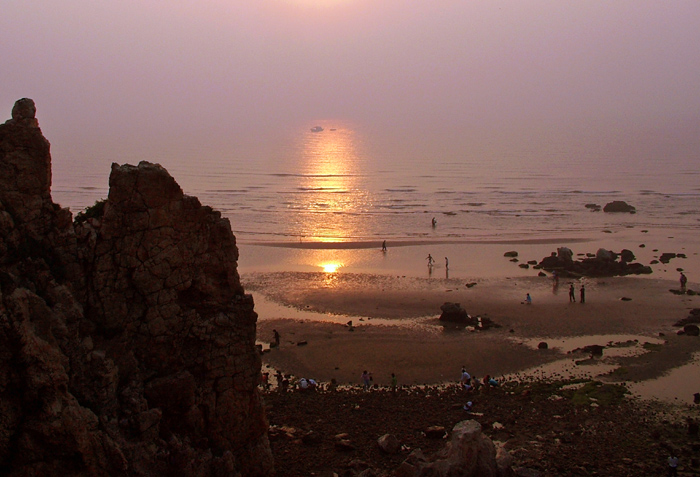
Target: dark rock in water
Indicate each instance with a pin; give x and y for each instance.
(524, 265)
(512, 253)
(603, 254)
(594, 207)
(594, 350)
(667, 256)
(619, 206)
(604, 263)
(565, 254)
(541, 274)
(624, 298)
(627, 256)
(691, 330)
(542, 345)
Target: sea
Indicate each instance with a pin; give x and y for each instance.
(337, 182)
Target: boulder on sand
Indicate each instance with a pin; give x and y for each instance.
(469, 453)
(619, 206)
(454, 313)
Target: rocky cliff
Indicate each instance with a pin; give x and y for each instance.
(127, 343)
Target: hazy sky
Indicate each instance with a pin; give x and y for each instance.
(157, 73)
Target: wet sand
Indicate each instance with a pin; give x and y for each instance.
(395, 326)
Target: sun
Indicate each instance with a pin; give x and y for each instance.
(331, 267)
(318, 3)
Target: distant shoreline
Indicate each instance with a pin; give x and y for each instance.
(369, 244)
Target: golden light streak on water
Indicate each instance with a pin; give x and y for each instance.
(330, 168)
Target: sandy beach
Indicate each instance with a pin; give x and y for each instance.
(395, 327)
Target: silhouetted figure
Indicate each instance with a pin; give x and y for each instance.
(572, 296)
(528, 299)
(431, 260)
(684, 281)
(384, 246)
(276, 337)
(447, 263)
(583, 294)
(366, 378)
(434, 222)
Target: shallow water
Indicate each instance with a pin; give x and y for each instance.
(352, 183)
(677, 386)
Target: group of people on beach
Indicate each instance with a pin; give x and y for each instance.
(469, 383)
(285, 382)
(431, 261)
(572, 293)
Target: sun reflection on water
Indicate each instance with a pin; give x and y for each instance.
(331, 267)
(330, 184)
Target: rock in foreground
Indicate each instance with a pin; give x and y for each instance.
(128, 341)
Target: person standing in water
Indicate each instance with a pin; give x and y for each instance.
(434, 222)
(583, 294)
(431, 260)
(384, 246)
(572, 296)
(447, 263)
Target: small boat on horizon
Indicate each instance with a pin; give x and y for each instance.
(316, 129)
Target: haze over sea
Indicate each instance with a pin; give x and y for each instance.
(501, 119)
(353, 184)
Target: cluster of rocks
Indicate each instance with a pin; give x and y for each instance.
(128, 343)
(603, 264)
(690, 323)
(454, 313)
(469, 452)
(614, 206)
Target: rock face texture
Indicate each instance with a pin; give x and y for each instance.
(127, 343)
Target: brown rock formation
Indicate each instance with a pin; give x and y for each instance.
(469, 453)
(126, 340)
